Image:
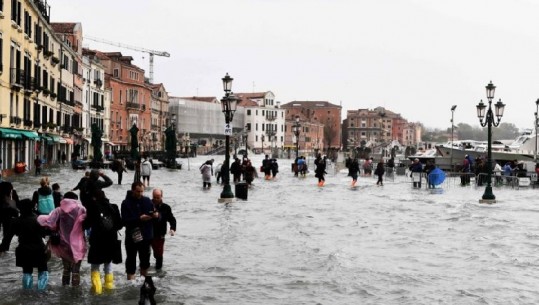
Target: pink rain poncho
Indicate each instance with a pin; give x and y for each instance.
(67, 220)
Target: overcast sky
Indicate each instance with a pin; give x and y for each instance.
(416, 58)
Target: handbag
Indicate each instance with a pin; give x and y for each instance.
(136, 235)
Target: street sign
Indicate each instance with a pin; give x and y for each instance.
(228, 129)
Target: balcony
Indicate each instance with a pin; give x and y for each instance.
(16, 78)
(43, 8)
(28, 123)
(54, 61)
(98, 108)
(130, 105)
(98, 83)
(29, 84)
(271, 117)
(15, 120)
(47, 53)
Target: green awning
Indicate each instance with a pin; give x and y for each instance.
(45, 137)
(52, 138)
(8, 133)
(55, 138)
(31, 135)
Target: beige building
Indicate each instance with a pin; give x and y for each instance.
(37, 89)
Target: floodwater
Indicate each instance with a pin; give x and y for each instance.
(293, 242)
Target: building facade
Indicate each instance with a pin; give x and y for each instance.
(159, 116)
(264, 122)
(130, 100)
(38, 85)
(200, 123)
(320, 112)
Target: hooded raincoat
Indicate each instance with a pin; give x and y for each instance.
(67, 220)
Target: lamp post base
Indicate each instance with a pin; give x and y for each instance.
(226, 200)
(487, 201)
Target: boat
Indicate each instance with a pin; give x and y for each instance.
(443, 155)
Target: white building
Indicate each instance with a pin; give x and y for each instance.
(265, 122)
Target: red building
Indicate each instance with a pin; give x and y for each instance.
(320, 112)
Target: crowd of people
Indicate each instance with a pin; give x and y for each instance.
(70, 227)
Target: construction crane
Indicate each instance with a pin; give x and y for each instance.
(121, 45)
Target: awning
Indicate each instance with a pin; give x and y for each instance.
(46, 138)
(68, 141)
(62, 140)
(8, 133)
(54, 138)
(31, 135)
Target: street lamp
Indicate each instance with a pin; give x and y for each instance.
(246, 133)
(536, 125)
(452, 130)
(488, 196)
(228, 105)
(297, 128)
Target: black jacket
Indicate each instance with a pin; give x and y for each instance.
(160, 224)
(103, 243)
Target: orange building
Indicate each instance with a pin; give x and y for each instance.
(130, 100)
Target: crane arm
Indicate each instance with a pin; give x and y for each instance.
(113, 43)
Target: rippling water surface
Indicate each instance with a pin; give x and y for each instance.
(295, 243)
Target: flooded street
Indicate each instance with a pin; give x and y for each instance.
(292, 242)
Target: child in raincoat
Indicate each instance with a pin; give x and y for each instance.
(67, 221)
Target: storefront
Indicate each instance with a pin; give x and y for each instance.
(17, 146)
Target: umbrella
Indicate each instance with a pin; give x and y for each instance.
(436, 176)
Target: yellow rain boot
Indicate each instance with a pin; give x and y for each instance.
(97, 287)
(109, 281)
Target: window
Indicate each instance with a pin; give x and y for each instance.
(133, 75)
(116, 73)
(248, 110)
(65, 63)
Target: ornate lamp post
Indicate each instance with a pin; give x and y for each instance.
(536, 125)
(297, 129)
(246, 134)
(228, 105)
(452, 130)
(488, 196)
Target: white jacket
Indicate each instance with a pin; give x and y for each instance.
(146, 168)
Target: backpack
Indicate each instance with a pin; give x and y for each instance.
(45, 204)
(105, 222)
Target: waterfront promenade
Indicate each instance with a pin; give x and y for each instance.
(295, 243)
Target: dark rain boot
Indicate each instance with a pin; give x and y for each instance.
(75, 279)
(66, 277)
(158, 263)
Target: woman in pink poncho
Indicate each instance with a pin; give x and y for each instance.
(67, 220)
